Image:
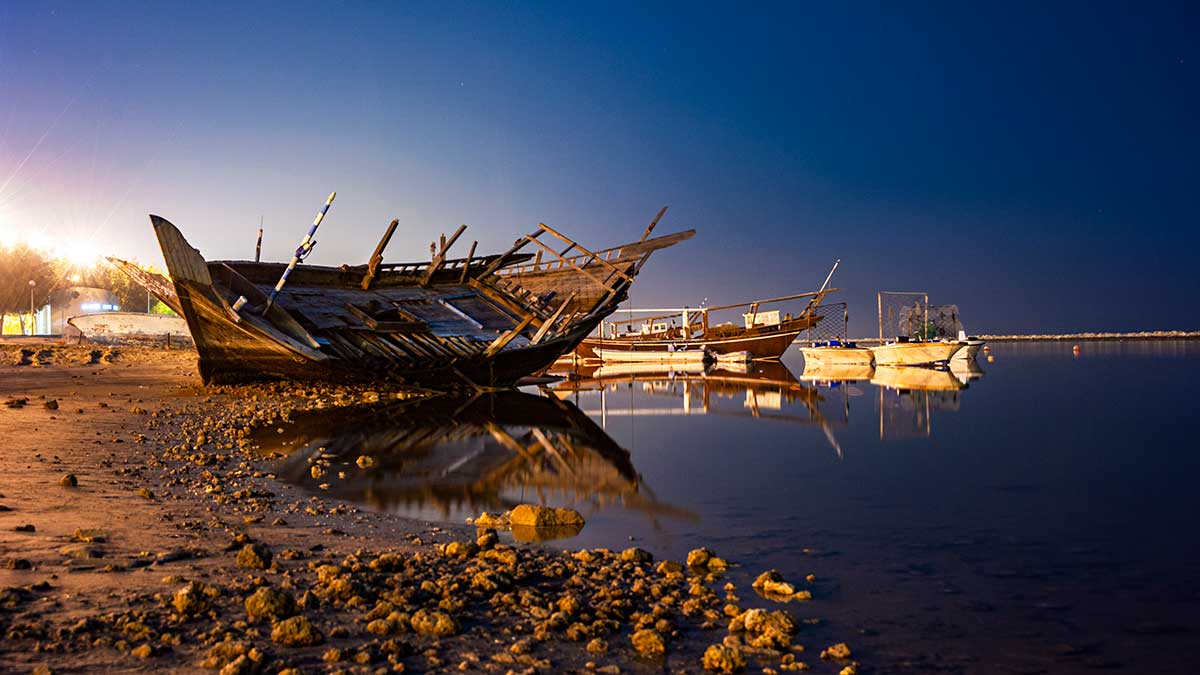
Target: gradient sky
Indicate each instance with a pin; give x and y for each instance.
(1035, 164)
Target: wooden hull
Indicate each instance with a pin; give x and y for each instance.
(852, 356)
(689, 356)
(762, 343)
(913, 353)
(442, 327)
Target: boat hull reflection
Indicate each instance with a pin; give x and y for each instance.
(488, 452)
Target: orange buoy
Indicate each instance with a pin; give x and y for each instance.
(991, 359)
(1075, 349)
(987, 349)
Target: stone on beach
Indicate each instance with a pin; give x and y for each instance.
(296, 631)
(839, 651)
(648, 642)
(269, 603)
(531, 515)
(722, 659)
(69, 480)
(254, 556)
(436, 624)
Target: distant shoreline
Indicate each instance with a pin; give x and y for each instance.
(1142, 335)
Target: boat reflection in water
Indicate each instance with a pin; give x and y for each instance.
(908, 395)
(759, 389)
(450, 457)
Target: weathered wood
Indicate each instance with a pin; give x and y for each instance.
(537, 337)
(653, 223)
(440, 258)
(502, 341)
(377, 256)
(612, 268)
(466, 269)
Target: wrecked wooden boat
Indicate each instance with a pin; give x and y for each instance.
(446, 322)
(765, 334)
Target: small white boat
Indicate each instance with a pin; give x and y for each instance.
(835, 352)
(906, 352)
(969, 347)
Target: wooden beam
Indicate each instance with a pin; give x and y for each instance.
(571, 263)
(377, 256)
(502, 341)
(550, 322)
(467, 265)
(598, 259)
(440, 258)
(650, 228)
(501, 260)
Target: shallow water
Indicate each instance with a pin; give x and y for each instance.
(1036, 518)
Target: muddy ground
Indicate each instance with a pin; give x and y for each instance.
(140, 531)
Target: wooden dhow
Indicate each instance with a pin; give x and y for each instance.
(764, 335)
(447, 322)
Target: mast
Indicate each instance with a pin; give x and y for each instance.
(302, 251)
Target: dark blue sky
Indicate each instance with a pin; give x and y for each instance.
(1034, 163)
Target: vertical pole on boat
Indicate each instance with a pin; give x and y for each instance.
(879, 300)
(653, 223)
(258, 244)
(306, 247)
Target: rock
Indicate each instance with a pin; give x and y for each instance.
(364, 462)
(18, 564)
(636, 554)
(143, 652)
(771, 583)
(460, 549)
(531, 515)
(722, 659)
(648, 642)
(670, 568)
(765, 630)
(296, 631)
(493, 520)
(269, 603)
(51, 404)
(28, 527)
(699, 557)
(597, 646)
(717, 565)
(487, 538)
(193, 599)
(145, 493)
(90, 535)
(82, 551)
(254, 556)
(69, 480)
(839, 651)
(224, 653)
(848, 670)
(436, 624)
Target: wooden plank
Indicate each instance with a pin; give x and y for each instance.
(467, 265)
(550, 322)
(502, 341)
(586, 252)
(377, 256)
(654, 222)
(577, 268)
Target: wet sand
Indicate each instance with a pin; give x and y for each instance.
(179, 550)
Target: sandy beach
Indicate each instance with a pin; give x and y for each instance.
(141, 531)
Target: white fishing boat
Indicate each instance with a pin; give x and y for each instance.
(907, 352)
(825, 342)
(915, 344)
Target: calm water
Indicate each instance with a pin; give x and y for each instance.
(1035, 517)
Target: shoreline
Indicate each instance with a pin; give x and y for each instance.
(1058, 337)
(177, 547)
